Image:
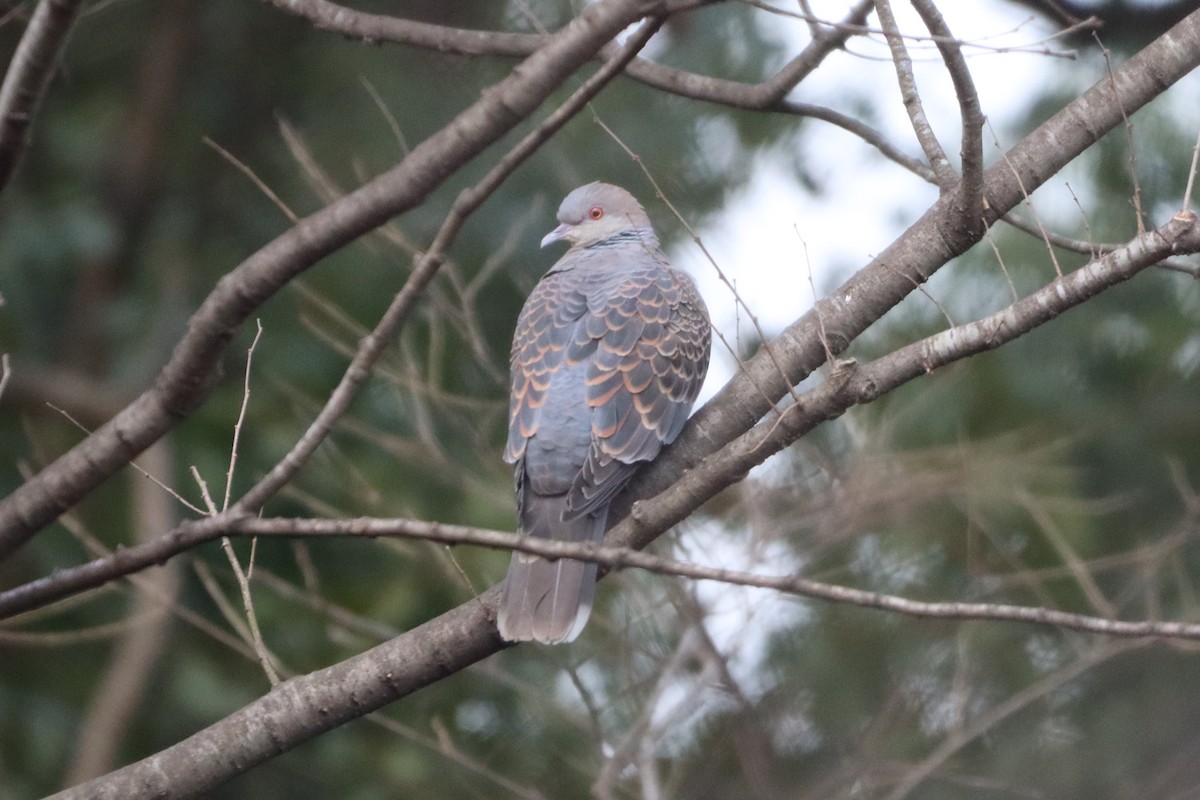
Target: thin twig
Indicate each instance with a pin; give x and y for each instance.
(443, 746)
(257, 181)
(620, 557)
(265, 658)
(241, 418)
(1191, 178)
(1042, 233)
(392, 122)
(1012, 287)
(88, 633)
(213, 589)
(1037, 47)
(1078, 569)
(145, 473)
(1134, 176)
(1090, 248)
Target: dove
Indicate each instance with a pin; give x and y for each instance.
(609, 354)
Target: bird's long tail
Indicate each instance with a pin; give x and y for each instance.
(549, 601)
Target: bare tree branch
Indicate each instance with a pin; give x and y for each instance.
(1092, 249)
(28, 77)
(865, 132)
(767, 95)
(947, 178)
(5, 373)
(622, 557)
(373, 28)
(970, 187)
(1149, 18)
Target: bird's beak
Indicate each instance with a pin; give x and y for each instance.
(556, 235)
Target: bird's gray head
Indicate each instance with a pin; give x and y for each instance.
(596, 212)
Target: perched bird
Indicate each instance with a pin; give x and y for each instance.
(607, 359)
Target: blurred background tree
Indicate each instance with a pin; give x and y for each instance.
(1057, 471)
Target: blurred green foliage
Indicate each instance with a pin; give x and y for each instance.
(971, 484)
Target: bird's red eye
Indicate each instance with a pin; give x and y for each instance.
(596, 212)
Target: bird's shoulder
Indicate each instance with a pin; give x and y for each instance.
(591, 292)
